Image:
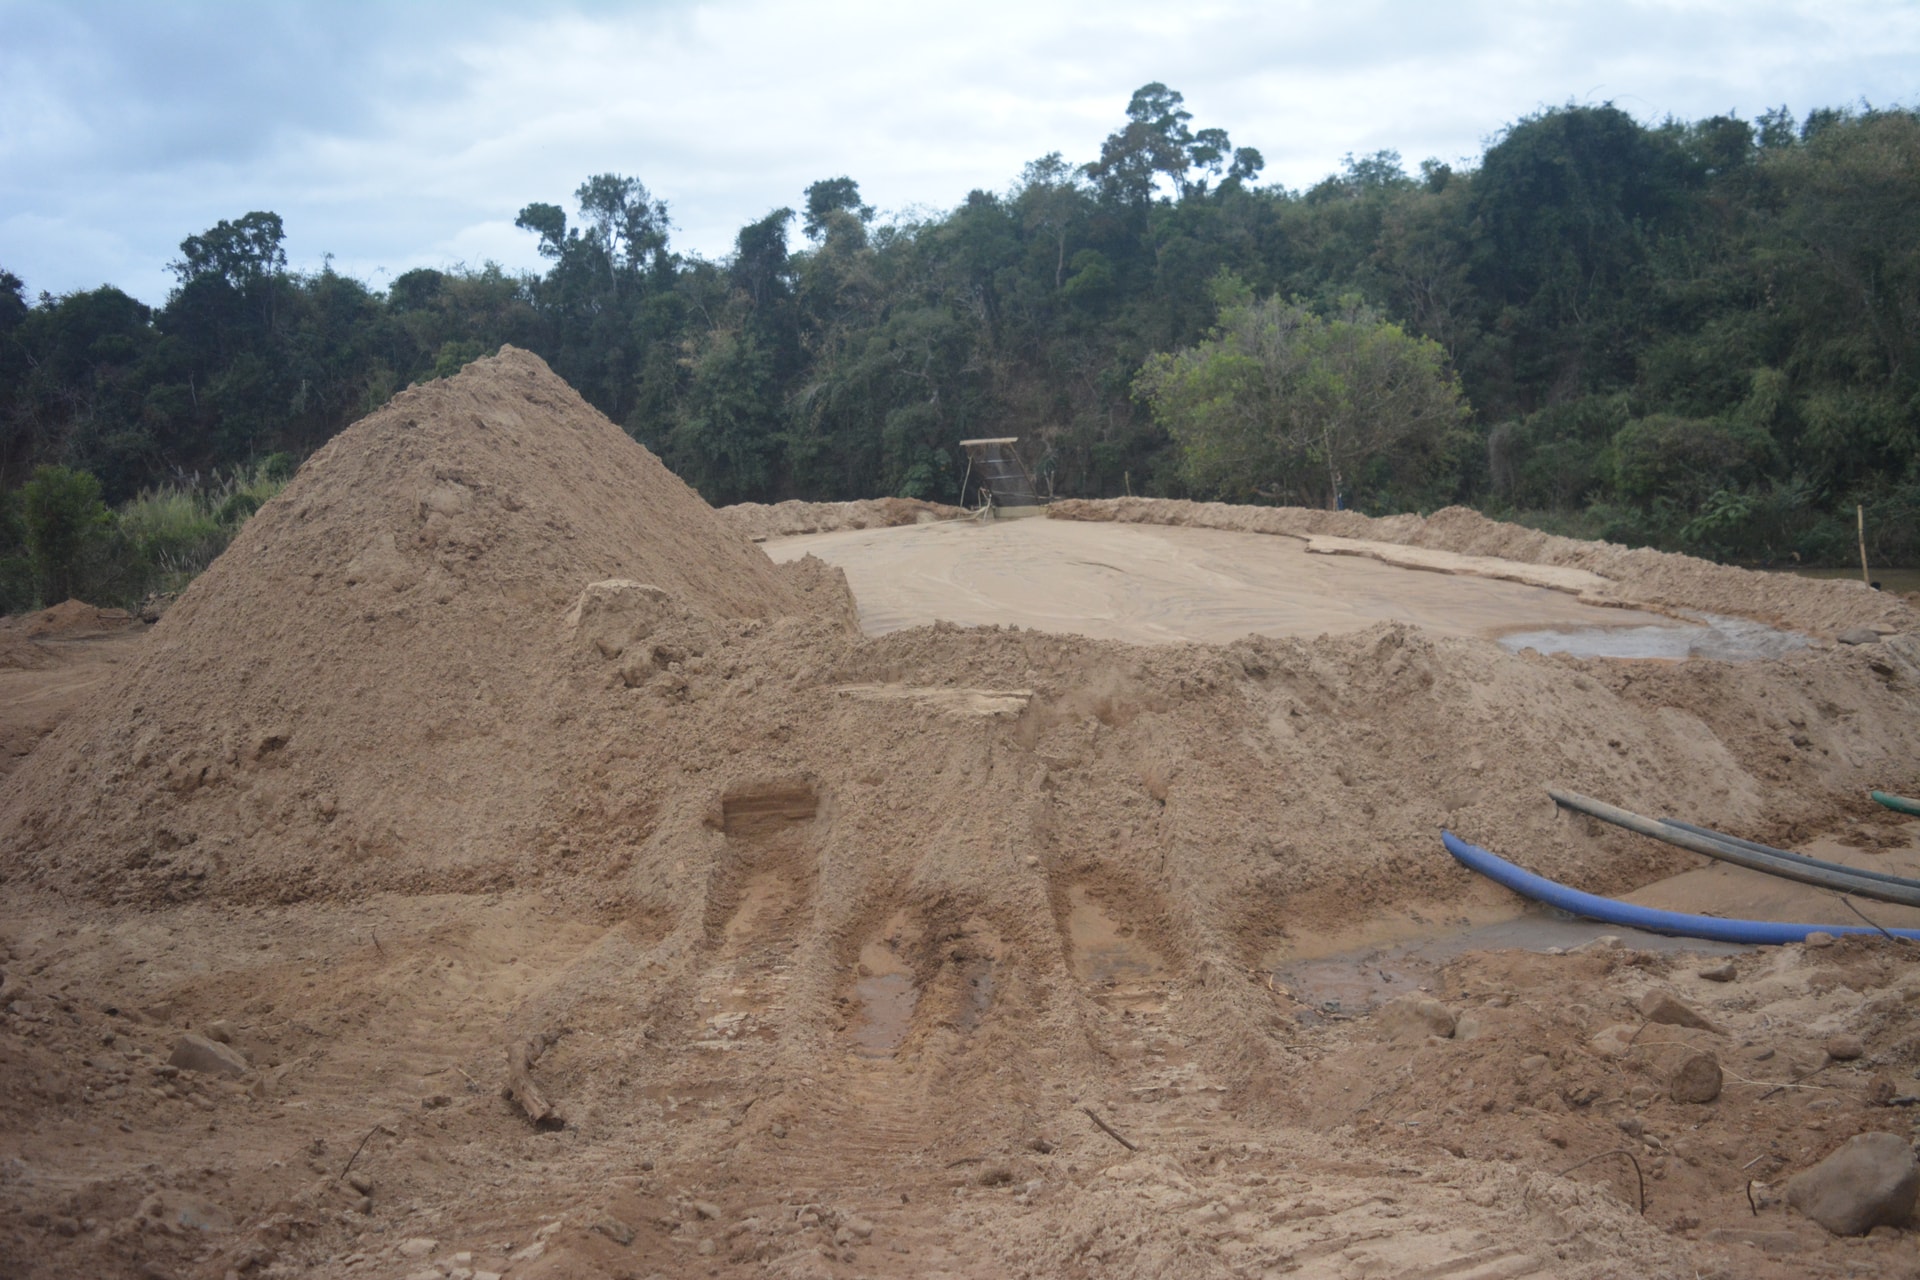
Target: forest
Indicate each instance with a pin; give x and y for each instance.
(1701, 336)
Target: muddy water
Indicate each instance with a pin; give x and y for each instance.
(1349, 982)
(885, 993)
(1709, 635)
(1106, 952)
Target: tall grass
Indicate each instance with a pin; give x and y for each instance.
(157, 542)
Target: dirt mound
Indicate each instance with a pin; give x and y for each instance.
(375, 684)
(72, 620)
(1644, 577)
(18, 653)
(761, 521)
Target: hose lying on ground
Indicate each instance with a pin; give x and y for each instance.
(1899, 804)
(1883, 876)
(1652, 919)
(1845, 880)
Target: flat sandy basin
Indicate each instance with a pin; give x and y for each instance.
(1160, 584)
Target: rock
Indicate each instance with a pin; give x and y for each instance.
(1859, 635)
(1722, 972)
(220, 1029)
(360, 1182)
(706, 1248)
(1614, 1041)
(486, 1275)
(1696, 1080)
(1533, 1064)
(425, 1273)
(615, 1230)
(197, 1053)
(1871, 1181)
(1670, 1010)
(1413, 1018)
(418, 1247)
(1844, 1046)
(707, 1210)
(859, 1226)
(532, 1252)
(1818, 938)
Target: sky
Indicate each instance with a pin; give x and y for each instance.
(393, 134)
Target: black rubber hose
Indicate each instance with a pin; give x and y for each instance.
(1847, 881)
(1882, 876)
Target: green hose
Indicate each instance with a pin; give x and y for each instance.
(1899, 804)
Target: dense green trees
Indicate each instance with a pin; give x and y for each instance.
(1281, 404)
(1701, 335)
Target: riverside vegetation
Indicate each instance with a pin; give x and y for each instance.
(1701, 336)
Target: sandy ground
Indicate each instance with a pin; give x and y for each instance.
(585, 895)
(1159, 585)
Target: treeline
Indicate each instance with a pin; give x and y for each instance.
(1697, 335)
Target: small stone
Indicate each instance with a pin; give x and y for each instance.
(1722, 972)
(706, 1248)
(778, 1131)
(1032, 861)
(220, 1029)
(434, 1101)
(66, 1226)
(1533, 1064)
(707, 1209)
(1859, 635)
(532, 1252)
(197, 1053)
(418, 1247)
(425, 1273)
(1614, 1041)
(1871, 1181)
(1818, 938)
(1414, 1018)
(859, 1226)
(1668, 1009)
(615, 1230)
(1697, 1080)
(486, 1275)
(360, 1182)
(1844, 1046)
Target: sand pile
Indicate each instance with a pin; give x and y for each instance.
(1642, 576)
(73, 620)
(373, 685)
(760, 521)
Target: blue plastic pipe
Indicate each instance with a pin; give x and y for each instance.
(1612, 911)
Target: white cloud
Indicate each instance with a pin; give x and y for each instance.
(402, 135)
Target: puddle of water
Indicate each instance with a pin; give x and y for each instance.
(1106, 952)
(1354, 982)
(1710, 635)
(886, 1007)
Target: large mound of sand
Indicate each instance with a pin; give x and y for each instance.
(373, 686)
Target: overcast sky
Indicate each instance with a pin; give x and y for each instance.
(394, 135)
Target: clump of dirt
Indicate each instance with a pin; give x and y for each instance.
(761, 521)
(73, 620)
(18, 653)
(1643, 576)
